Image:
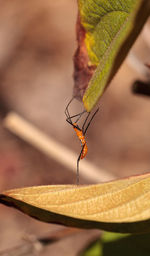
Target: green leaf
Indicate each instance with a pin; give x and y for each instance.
(118, 244)
(94, 249)
(119, 206)
(111, 27)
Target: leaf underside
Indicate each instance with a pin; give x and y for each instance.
(119, 206)
(106, 31)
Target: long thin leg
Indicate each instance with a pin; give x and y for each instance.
(70, 121)
(84, 132)
(79, 115)
(85, 122)
(66, 109)
(78, 165)
(70, 117)
(74, 126)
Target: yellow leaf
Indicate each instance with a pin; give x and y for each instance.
(120, 206)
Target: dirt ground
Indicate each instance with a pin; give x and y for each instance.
(37, 42)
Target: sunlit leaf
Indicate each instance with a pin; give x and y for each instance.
(106, 31)
(120, 206)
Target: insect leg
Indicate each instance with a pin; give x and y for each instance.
(85, 121)
(79, 115)
(69, 120)
(67, 111)
(84, 131)
(68, 117)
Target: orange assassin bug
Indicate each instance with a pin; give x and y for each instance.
(80, 131)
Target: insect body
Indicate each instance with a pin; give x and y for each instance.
(82, 140)
(80, 131)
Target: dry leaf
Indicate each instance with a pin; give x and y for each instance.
(120, 206)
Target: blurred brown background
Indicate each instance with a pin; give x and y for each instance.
(37, 42)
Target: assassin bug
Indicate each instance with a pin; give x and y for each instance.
(80, 131)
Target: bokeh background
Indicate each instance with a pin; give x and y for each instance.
(37, 43)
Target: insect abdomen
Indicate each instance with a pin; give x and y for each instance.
(84, 152)
(83, 142)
